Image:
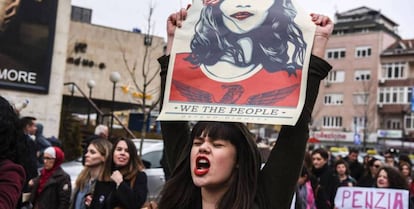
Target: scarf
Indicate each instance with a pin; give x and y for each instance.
(46, 174)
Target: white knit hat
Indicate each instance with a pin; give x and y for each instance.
(51, 151)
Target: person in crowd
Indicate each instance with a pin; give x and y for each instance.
(28, 125)
(12, 174)
(390, 177)
(343, 173)
(99, 151)
(305, 197)
(365, 161)
(101, 132)
(404, 158)
(128, 186)
(217, 164)
(405, 169)
(52, 189)
(355, 167)
(368, 179)
(41, 143)
(389, 159)
(326, 177)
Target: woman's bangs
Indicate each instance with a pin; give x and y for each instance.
(218, 130)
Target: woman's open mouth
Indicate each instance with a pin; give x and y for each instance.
(202, 166)
(241, 15)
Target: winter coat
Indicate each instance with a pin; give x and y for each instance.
(56, 192)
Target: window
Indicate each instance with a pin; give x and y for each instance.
(364, 51)
(334, 99)
(360, 122)
(394, 70)
(393, 123)
(332, 122)
(409, 121)
(362, 75)
(360, 98)
(336, 76)
(335, 53)
(81, 14)
(394, 95)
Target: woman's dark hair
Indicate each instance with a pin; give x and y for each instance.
(395, 179)
(12, 146)
(404, 158)
(180, 191)
(322, 152)
(134, 164)
(343, 162)
(212, 40)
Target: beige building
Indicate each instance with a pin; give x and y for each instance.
(84, 53)
(95, 52)
(346, 109)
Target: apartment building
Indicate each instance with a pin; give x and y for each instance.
(346, 112)
(395, 95)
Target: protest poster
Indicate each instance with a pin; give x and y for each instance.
(371, 198)
(242, 62)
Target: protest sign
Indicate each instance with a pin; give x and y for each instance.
(371, 198)
(243, 63)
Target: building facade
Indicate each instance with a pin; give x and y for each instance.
(395, 96)
(346, 112)
(87, 56)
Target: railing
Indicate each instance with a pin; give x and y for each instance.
(99, 111)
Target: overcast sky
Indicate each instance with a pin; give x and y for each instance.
(134, 13)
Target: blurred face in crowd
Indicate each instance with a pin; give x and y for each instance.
(405, 170)
(341, 169)
(382, 180)
(389, 160)
(48, 161)
(318, 161)
(31, 128)
(353, 156)
(121, 154)
(93, 157)
(375, 167)
(367, 158)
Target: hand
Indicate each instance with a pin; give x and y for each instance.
(88, 200)
(324, 25)
(174, 21)
(117, 177)
(30, 183)
(324, 28)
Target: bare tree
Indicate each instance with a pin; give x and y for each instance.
(144, 75)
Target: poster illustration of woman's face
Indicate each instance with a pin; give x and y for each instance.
(239, 52)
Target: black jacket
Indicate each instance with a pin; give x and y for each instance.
(107, 196)
(56, 192)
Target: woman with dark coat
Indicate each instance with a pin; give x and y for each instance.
(127, 188)
(52, 189)
(368, 179)
(217, 164)
(328, 182)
